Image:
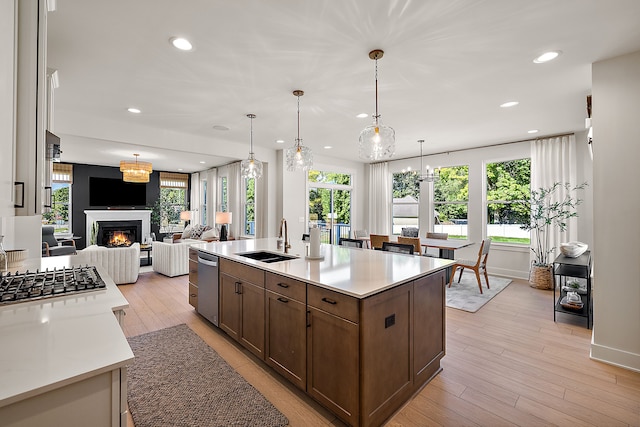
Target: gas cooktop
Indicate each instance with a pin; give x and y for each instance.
(29, 286)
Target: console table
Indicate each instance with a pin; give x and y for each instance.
(580, 268)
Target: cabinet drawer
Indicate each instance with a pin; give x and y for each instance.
(333, 302)
(193, 295)
(243, 272)
(288, 287)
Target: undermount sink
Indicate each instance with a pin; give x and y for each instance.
(265, 256)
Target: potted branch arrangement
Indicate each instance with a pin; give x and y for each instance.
(545, 214)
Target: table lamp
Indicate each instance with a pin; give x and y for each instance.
(185, 216)
(223, 218)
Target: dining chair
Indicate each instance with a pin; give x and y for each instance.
(352, 243)
(476, 266)
(409, 231)
(435, 252)
(363, 235)
(397, 247)
(377, 240)
(415, 241)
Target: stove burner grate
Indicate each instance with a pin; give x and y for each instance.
(29, 286)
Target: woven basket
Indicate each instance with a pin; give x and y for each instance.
(541, 277)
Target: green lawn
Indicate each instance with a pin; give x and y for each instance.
(518, 240)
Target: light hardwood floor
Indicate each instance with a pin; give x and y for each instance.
(508, 364)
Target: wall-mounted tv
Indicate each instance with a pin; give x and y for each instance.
(114, 192)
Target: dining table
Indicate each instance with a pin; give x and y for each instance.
(446, 247)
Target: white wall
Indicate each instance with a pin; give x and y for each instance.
(616, 330)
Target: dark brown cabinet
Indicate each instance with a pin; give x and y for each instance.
(242, 305)
(333, 360)
(193, 277)
(286, 328)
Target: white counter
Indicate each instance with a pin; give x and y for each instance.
(352, 271)
(49, 343)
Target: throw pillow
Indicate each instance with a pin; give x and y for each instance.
(186, 233)
(196, 231)
(210, 234)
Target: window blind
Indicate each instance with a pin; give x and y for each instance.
(174, 180)
(62, 172)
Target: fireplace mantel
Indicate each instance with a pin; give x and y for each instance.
(143, 215)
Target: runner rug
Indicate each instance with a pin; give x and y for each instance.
(178, 380)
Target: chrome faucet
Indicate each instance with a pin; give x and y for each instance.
(286, 235)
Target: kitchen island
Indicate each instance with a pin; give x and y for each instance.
(360, 331)
(63, 359)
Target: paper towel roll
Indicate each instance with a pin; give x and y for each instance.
(314, 242)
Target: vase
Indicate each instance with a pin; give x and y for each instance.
(541, 277)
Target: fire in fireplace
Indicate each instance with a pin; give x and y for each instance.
(115, 234)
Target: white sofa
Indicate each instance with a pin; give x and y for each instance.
(171, 259)
(122, 264)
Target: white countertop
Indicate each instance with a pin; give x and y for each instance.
(49, 343)
(352, 271)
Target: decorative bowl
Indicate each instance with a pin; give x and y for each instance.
(573, 249)
(15, 257)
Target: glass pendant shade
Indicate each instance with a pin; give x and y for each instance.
(251, 167)
(299, 157)
(377, 141)
(135, 171)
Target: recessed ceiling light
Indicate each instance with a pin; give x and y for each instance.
(202, 162)
(532, 131)
(279, 141)
(546, 57)
(220, 127)
(180, 169)
(509, 104)
(362, 115)
(328, 147)
(134, 110)
(181, 43)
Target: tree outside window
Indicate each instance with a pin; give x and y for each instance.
(451, 202)
(250, 207)
(508, 190)
(330, 204)
(405, 205)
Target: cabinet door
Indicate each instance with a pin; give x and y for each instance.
(252, 318)
(230, 305)
(286, 338)
(428, 331)
(333, 364)
(193, 279)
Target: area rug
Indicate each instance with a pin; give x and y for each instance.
(178, 380)
(466, 295)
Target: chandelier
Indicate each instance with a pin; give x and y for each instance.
(251, 167)
(377, 141)
(429, 175)
(299, 157)
(135, 171)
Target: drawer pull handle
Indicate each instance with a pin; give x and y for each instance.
(283, 285)
(193, 295)
(282, 299)
(238, 287)
(329, 301)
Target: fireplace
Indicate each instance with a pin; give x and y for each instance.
(115, 234)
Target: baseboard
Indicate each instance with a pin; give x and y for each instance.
(614, 356)
(512, 274)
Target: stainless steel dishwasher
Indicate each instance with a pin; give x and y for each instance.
(208, 295)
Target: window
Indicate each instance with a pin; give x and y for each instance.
(451, 202)
(330, 204)
(60, 213)
(203, 205)
(405, 205)
(249, 207)
(224, 194)
(173, 200)
(508, 190)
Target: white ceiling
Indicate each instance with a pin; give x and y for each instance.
(447, 67)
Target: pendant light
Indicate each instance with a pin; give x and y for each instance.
(377, 141)
(427, 175)
(299, 157)
(135, 171)
(251, 167)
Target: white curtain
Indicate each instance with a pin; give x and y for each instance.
(194, 201)
(554, 160)
(379, 198)
(212, 191)
(235, 196)
(262, 196)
